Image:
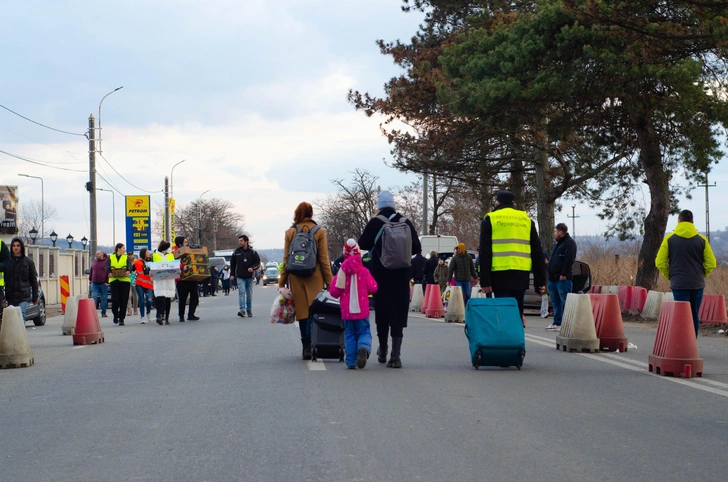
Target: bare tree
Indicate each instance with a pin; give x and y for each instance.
(33, 214)
(211, 223)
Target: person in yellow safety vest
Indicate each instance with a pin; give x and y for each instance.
(119, 269)
(5, 264)
(509, 251)
(163, 288)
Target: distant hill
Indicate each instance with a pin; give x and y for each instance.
(271, 255)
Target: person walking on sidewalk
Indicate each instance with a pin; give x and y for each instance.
(462, 269)
(685, 259)
(164, 289)
(99, 279)
(244, 262)
(186, 288)
(559, 266)
(21, 280)
(353, 285)
(119, 269)
(225, 275)
(418, 269)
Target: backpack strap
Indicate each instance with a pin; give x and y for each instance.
(314, 229)
(385, 221)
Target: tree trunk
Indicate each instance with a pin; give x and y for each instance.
(545, 199)
(432, 228)
(656, 221)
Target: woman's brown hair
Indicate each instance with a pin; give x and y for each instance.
(303, 211)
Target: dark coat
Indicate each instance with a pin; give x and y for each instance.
(510, 280)
(430, 267)
(242, 260)
(392, 297)
(4, 257)
(462, 268)
(418, 267)
(21, 280)
(97, 273)
(562, 258)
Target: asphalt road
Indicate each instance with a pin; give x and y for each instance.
(228, 398)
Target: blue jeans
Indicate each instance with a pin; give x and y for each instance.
(100, 289)
(465, 286)
(145, 296)
(695, 297)
(558, 291)
(23, 306)
(356, 335)
(245, 294)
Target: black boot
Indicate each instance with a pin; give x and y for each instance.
(382, 353)
(394, 360)
(160, 312)
(306, 352)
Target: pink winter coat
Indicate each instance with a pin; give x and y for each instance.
(366, 285)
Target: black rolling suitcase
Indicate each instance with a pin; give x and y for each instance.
(327, 328)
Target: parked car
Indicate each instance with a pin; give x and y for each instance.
(271, 276)
(37, 312)
(582, 282)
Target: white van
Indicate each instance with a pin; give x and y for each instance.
(438, 243)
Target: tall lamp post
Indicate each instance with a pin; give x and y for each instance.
(54, 237)
(91, 186)
(33, 233)
(199, 209)
(113, 214)
(42, 205)
(167, 206)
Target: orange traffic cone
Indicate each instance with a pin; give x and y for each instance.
(434, 305)
(676, 348)
(712, 309)
(88, 329)
(426, 299)
(608, 321)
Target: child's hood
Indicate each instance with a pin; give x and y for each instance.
(352, 265)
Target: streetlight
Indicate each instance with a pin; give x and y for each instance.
(42, 205)
(102, 101)
(84, 241)
(54, 237)
(33, 235)
(199, 206)
(69, 240)
(113, 213)
(167, 207)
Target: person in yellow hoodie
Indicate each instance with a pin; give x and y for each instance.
(686, 259)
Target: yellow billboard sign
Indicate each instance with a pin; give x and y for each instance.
(137, 206)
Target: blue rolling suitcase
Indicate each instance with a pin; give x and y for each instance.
(494, 329)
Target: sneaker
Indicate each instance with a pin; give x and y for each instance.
(250, 314)
(241, 314)
(361, 360)
(546, 315)
(193, 318)
(143, 320)
(116, 321)
(104, 315)
(553, 327)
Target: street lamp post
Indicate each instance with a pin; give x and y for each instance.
(199, 209)
(33, 233)
(54, 237)
(84, 242)
(42, 205)
(113, 214)
(69, 240)
(167, 207)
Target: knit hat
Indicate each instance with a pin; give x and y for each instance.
(351, 248)
(461, 247)
(163, 246)
(385, 200)
(505, 197)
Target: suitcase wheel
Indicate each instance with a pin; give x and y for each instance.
(313, 354)
(341, 355)
(519, 366)
(476, 366)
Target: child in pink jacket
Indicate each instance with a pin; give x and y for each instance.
(353, 284)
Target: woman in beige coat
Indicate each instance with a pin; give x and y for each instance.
(305, 289)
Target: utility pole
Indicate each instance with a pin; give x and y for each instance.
(707, 206)
(167, 222)
(424, 204)
(91, 184)
(573, 217)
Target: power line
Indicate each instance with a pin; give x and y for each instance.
(42, 125)
(125, 179)
(40, 163)
(113, 187)
(48, 145)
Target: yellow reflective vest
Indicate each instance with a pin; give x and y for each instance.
(511, 240)
(116, 263)
(158, 258)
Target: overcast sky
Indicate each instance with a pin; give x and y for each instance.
(251, 93)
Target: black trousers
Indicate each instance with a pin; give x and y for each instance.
(185, 289)
(119, 298)
(163, 305)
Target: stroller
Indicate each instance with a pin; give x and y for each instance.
(327, 328)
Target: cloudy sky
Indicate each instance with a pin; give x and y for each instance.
(251, 93)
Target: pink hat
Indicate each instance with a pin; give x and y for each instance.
(351, 248)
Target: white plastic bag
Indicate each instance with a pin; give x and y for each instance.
(283, 311)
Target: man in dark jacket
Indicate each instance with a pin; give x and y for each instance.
(463, 270)
(560, 263)
(5, 263)
(685, 258)
(244, 262)
(392, 296)
(430, 267)
(509, 251)
(99, 279)
(418, 269)
(21, 281)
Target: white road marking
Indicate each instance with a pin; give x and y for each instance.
(640, 367)
(316, 366)
(78, 346)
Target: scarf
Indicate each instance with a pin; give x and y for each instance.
(354, 307)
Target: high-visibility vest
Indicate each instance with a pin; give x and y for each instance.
(143, 280)
(511, 240)
(158, 258)
(118, 262)
(2, 275)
